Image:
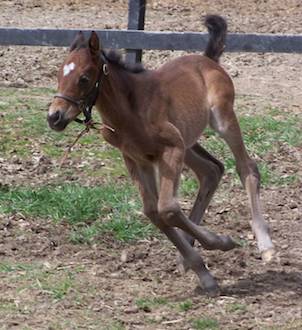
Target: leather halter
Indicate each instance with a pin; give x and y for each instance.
(86, 103)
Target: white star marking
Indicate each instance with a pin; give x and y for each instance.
(68, 68)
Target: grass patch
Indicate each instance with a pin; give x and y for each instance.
(70, 202)
(25, 111)
(205, 324)
(7, 306)
(56, 287)
(185, 305)
(270, 177)
(92, 211)
(188, 185)
(123, 230)
(147, 304)
(261, 134)
(7, 267)
(265, 132)
(236, 308)
(55, 283)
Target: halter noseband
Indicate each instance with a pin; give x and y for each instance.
(86, 103)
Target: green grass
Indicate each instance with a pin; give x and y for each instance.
(189, 185)
(186, 305)
(54, 283)
(261, 133)
(205, 324)
(236, 308)
(24, 116)
(7, 267)
(147, 304)
(121, 229)
(71, 202)
(7, 306)
(91, 211)
(56, 287)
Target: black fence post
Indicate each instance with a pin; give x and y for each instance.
(136, 21)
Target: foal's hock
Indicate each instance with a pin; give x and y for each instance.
(155, 118)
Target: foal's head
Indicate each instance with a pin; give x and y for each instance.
(78, 80)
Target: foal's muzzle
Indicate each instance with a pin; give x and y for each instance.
(57, 121)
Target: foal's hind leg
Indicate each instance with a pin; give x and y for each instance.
(208, 171)
(146, 181)
(224, 121)
(170, 166)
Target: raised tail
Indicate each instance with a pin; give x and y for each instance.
(217, 28)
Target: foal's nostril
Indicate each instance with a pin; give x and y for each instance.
(57, 120)
(55, 117)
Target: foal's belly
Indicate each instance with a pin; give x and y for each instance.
(191, 123)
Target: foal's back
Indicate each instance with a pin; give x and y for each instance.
(186, 90)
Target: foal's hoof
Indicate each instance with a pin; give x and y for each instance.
(208, 286)
(268, 255)
(211, 291)
(228, 243)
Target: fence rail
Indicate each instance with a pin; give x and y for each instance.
(136, 39)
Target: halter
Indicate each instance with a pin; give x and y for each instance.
(86, 103)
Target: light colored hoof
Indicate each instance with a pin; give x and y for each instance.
(268, 255)
(182, 269)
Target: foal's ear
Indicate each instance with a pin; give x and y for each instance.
(94, 43)
(78, 40)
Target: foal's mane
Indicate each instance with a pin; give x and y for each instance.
(116, 58)
(111, 56)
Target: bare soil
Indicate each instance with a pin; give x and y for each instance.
(117, 274)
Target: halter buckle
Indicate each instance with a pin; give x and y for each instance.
(105, 69)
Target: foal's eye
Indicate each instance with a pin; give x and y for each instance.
(84, 80)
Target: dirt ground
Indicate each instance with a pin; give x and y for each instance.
(271, 294)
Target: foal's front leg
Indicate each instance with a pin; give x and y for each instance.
(145, 178)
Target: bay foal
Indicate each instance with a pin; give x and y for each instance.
(155, 118)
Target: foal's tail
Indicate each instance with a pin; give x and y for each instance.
(217, 28)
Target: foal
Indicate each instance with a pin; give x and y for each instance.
(155, 118)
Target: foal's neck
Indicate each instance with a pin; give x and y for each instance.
(117, 98)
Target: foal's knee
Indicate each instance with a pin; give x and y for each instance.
(168, 214)
(154, 216)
